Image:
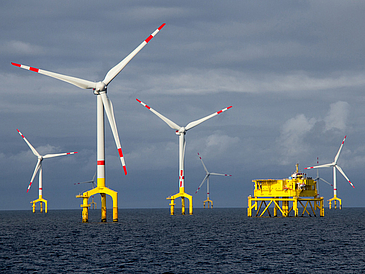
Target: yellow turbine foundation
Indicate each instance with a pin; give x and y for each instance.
(284, 196)
(103, 191)
(209, 203)
(334, 200)
(41, 201)
(92, 204)
(181, 195)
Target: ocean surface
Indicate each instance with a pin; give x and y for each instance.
(210, 241)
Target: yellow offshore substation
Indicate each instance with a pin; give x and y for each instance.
(284, 195)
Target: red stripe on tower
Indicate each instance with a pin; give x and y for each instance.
(100, 163)
(120, 152)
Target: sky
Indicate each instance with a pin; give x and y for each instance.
(292, 70)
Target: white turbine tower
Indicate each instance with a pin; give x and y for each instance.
(37, 168)
(181, 131)
(206, 178)
(334, 167)
(102, 102)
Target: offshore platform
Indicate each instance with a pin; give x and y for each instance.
(285, 196)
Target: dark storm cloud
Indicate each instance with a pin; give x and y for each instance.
(293, 71)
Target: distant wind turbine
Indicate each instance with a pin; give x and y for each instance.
(335, 166)
(37, 168)
(181, 131)
(92, 182)
(206, 178)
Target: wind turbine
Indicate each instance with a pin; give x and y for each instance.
(334, 167)
(319, 178)
(206, 178)
(38, 167)
(92, 182)
(102, 102)
(181, 131)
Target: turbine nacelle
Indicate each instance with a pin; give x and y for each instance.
(99, 86)
(182, 130)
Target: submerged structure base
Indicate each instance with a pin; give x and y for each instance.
(209, 203)
(181, 195)
(337, 203)
(41, 202)
(103, 191)
(285, 207)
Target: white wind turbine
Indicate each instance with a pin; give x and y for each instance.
(181, 131)
(206, 178)
(319, 178)
(92, 182)
(103, 102)
(37, 168)
(334, 167)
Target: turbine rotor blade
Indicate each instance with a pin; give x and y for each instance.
(220, 174)
(87, 182)
(339, 150)
(205, 178)
(38, 165)
(170, 123)
(325, 181)
(206, 170)
(344, 175)
(35, 152)
(108, 106)
(320, 166)
(81, 83)
(59, 154)
(197, 122)
(112, 73)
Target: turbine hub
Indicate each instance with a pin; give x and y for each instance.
(100, 86)
(180, 131)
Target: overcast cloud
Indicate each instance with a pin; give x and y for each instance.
(293, 71)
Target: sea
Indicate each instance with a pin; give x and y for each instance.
(219, 240)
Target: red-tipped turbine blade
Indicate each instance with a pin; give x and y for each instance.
(113, 72)
(108, 106)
